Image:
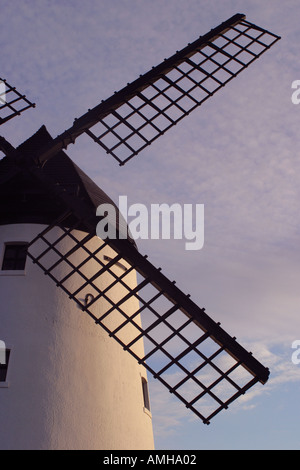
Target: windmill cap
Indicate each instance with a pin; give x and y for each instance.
(24, 200)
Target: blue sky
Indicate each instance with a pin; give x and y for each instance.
(237, 155)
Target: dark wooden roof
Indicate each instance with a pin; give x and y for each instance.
(24, 200)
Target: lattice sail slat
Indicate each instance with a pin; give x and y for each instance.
(183, 348)
(134, 117)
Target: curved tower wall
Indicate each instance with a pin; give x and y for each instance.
(69, 385)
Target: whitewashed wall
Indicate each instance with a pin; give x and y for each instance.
(69, 385)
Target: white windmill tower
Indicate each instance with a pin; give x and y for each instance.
(66, 384)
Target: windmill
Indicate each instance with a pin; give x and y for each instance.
(83, 389)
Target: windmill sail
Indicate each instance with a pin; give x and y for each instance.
(12, 102)
(186, 350)
(133, 118)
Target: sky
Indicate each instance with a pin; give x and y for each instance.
(237, 154)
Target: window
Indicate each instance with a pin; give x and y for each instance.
(146, 394)
(14, 258)
(4, 367)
